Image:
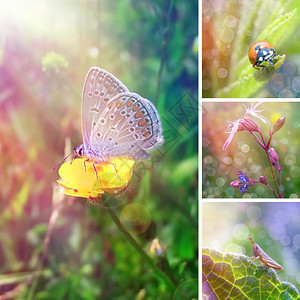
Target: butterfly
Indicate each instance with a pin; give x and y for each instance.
(243, 183)
(116, 122)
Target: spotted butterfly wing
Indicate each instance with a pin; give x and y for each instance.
(129, 126)
(99, 88)
(243, 183)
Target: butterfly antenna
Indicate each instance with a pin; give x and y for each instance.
(57, 166)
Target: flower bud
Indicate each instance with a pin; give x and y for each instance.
(273, 156)
(156, 248)
(278, 124)
(235, 184)
(263, 180)
(249, 124)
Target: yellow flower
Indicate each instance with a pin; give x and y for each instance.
(80, 179)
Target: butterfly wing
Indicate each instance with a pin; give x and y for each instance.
(129, 126)
(243, 183)
(99, 88)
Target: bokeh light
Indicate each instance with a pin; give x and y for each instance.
(135, 218)
(46, 49)
(228, 31)
(244, 154)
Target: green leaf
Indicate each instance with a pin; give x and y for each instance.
(58, 287)
(232, 276)
(185, 170)
(251, 82)
(15, 277)
(244, 79)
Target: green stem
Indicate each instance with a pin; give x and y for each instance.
(163, 51)
(33, 282)
(280, 182)
(140, 250)
(273, 174)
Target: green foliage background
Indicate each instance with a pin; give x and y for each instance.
(46, 49)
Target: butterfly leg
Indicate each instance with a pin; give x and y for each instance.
(95, 169)
(84, 163)
(116, 171)
(114, 168)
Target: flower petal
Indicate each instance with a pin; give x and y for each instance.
(88, 179)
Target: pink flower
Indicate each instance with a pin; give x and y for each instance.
(239, 125)
(274, 159)
(263, 180)
(245, 123)
(279, 123)
(273, 156)
(234, 126)
(235, 184)
(256, 113)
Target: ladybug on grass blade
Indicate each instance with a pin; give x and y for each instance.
(260, 52)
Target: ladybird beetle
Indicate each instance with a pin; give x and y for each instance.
(260, 52)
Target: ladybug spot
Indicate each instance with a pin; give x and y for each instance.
(90, 94)
(102, 121)
(96, 93)
(98, 134)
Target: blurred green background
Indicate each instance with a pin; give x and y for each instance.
(219, 168)
(273, 226)
(46, 49)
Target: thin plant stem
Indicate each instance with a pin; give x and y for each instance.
(163, 51)
(257, 140)
(280, 182)
(273, 174)
(35, 280)
(268, 186)
(264, 146)
(140, 250)
(262, 138)
(272, 191)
